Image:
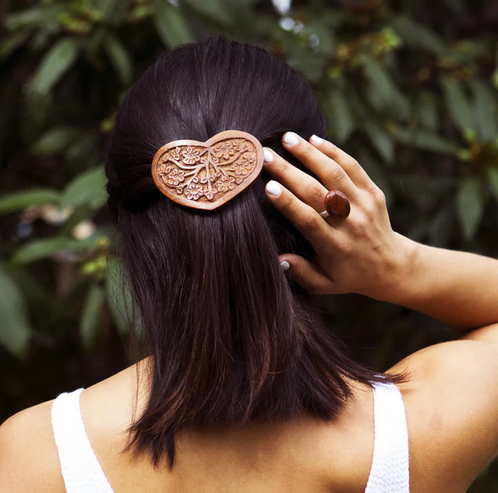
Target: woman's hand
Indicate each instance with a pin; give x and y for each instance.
(361, 254)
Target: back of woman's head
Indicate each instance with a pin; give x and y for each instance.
(230, 338)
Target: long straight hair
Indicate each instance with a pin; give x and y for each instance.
(231, 339)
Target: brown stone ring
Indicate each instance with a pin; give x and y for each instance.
(336, 205)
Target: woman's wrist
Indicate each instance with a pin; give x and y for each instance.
(400, 272)
(457, 288)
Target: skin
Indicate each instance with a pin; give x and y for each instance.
(364, 255)
(451, 399)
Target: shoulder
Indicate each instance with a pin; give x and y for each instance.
(451, 405)
(29, 459)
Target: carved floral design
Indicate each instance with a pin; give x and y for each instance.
(193, 191)
(224, 150)
(191, 155)
(175, 154)
(173, 176)
(225, 183)
(246, 164)
(202, 173)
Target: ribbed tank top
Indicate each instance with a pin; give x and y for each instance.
(83, 473)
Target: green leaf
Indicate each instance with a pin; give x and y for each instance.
(34, 17)
(171, 25)
(382, 93)
(310, 65)
(43, 248)
(375, 171)
(216, 10)
(18, 201)
(380, 139)
(241, 4)
(54, 141)
(119, 59)
(86, 188)
(485, 110)
(427, 110)
(112, 9)
(15, 330)
(459, 106)
(339, 115)
(441, 226)
(470, 206)
(430, 191)
(53, 65)
(12, 43)
(325, 35)
(417, 35)
(90, 316)
(426, 141)
(492, 174)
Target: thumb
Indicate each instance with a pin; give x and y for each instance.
(307, 275)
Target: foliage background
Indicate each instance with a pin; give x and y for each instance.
(409, 88)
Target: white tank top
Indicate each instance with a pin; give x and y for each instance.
(82, 472)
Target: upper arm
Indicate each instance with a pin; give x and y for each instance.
(453, 405)
(28, 455)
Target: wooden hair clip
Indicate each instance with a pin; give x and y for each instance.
(206, 175)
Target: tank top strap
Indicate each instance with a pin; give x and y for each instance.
(390, 467)
(80, 467)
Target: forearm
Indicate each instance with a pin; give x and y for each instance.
(460, 289)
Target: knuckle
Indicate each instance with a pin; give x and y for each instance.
(360, 224)
(314, 193)
(285, 200)
(381, 199)
(378, 195)
(369, 208)
(353, 163)
(309, 221)
(337, 174)
(304, 151)
(280, 166)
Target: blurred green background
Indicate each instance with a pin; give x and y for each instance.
(409, 88)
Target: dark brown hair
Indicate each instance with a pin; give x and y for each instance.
(231, 338)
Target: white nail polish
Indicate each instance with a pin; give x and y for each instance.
(290, 138)
(273, 188)
(268, 155)
(285, 265)
(316, 140)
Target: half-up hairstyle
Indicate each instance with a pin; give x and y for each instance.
(230, 338)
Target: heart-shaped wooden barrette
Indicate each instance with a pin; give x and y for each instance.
(206, 175)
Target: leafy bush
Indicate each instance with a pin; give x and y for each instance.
(409, 89)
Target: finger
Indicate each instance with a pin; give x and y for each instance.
(303, 185)
(350, 165)
(332, 175)
(311, 225)
(307, 275)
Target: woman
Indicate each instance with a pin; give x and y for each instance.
(242, 387)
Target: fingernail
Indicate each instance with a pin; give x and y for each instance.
(290, 138)
(273, 188)
(268, 155)
(316, 140)
(285, 265)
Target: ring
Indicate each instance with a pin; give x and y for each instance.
(336, 205)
